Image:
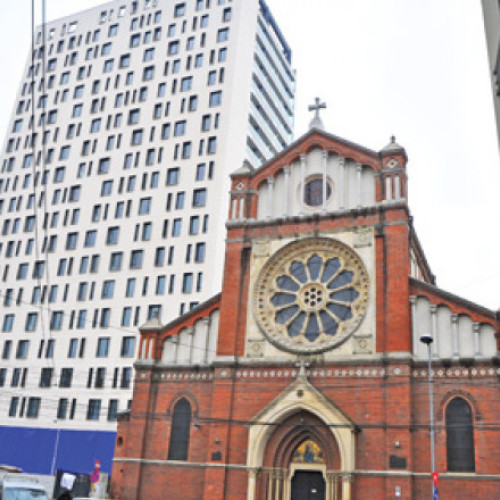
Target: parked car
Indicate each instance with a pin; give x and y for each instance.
(21, 487)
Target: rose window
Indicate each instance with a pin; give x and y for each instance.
(311, 295)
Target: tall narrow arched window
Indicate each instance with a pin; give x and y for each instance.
(179, 433)
(459, 436)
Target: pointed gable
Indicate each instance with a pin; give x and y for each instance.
(318, 173)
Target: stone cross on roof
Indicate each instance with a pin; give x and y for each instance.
(316, 121)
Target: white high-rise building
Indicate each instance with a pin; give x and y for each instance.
(114, 180)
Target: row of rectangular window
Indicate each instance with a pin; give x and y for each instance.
(66, 408)
(76, 348)
(72, 194)
(98, 104)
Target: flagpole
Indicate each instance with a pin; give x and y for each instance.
(427, 339)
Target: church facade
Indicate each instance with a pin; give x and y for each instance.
(305, 378)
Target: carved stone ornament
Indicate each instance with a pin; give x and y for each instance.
(311, 295)
(261, 248)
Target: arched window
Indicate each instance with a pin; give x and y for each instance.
(179, 433)
(459, 436)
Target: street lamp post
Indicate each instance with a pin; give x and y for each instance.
(427, 339)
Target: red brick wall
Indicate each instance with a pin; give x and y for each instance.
(388, 410)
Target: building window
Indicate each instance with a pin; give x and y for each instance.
(186, 83)
(66, 375)
(14, 402)
(128, 347)
(100, 378)
(71, 240)
(172, 176)
(180, 128)
(33, 407)
(180, 431)
(148, 73)
(115, 261)
(112, 236)
(179, 9)
(112, 409)
(136, 137)
(313, 192)
(173, 47)
(93, 409)
(223, 35)
(8, 323)
(144, 206)
(56, 320)
(31, 322)
(90, 238)
(108, 66)
(177, 227)
(22, 349)
(62, 408)
(187, 283)
(222, 55)
(199, 197)
(215, 98)
(459, 436)
(103, 166)
(46, 377)
(136, 259)
(108, 289)
(126, 316)
(126, 378)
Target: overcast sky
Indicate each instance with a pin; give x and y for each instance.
(413, 68)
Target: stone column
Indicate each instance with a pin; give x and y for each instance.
(286, 194)
(413, 306)
(434, 346)
(477, 346)
(174, 349)
(331, 486)
(270, 196)
(454, 336)
(388, 188)
(252, 482)
(241, 207)
(359, 170)
(302, 182)
(234, 209)
(325, 158)
(342, 183)
(278, 484)
(270, 484)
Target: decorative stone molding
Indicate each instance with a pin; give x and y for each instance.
(311, 295)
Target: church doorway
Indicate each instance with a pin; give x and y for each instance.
(308, 485)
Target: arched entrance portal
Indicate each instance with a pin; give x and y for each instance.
(300, 434)
(301, 461)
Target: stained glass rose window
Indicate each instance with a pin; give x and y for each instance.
(311, 295)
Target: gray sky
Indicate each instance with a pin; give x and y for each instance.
(414, 68)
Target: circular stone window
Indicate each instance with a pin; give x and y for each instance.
(311, 295)
(313, 192)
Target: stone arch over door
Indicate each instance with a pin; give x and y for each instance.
(298, 414)
(281, 463)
